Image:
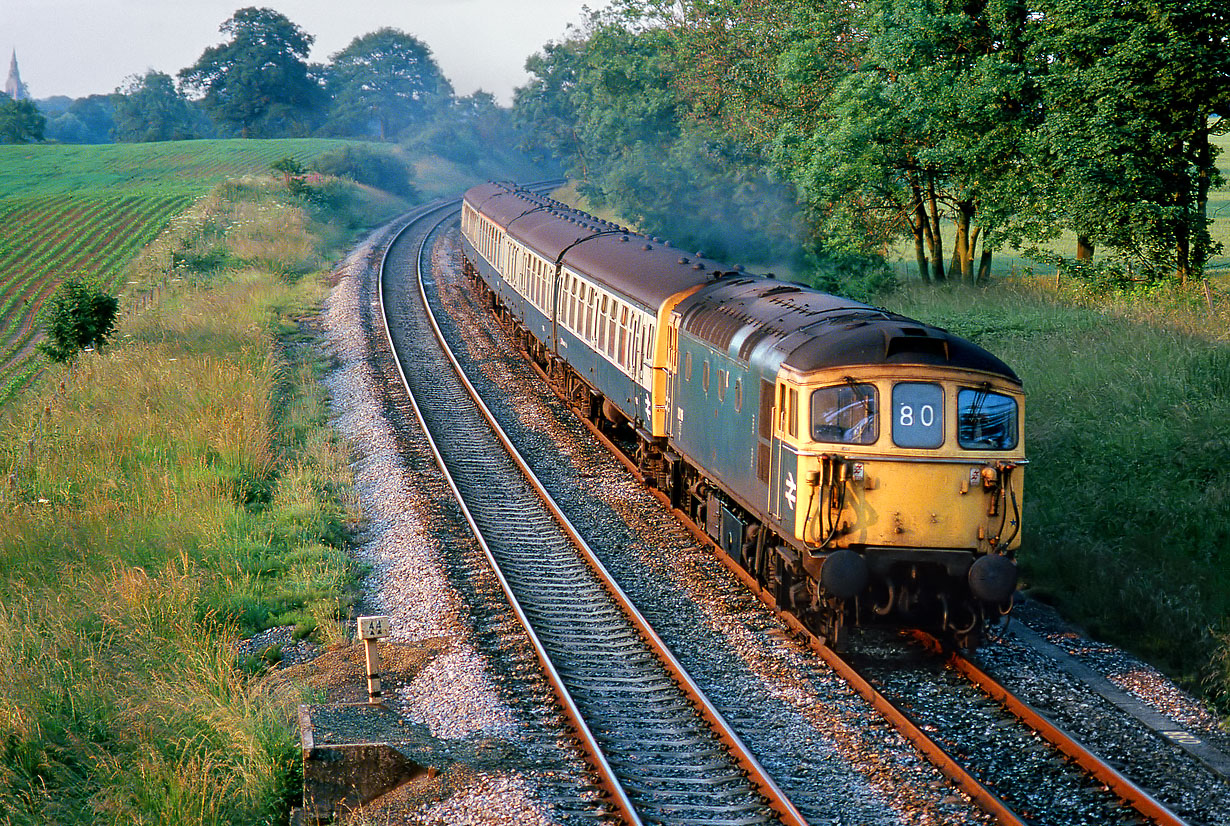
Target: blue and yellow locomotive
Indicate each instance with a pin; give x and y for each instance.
(858, 463)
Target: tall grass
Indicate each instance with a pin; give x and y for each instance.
(1128, 437)
(181, 490)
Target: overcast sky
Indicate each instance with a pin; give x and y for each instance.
(84, 47)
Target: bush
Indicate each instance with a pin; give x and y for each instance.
(850, 274)
(378, 168)
(79, 315)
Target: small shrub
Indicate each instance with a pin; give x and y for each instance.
(79, 315)
(373, 167)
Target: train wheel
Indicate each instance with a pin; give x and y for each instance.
(831, 626)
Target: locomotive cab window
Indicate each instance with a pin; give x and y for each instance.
(986, 420)
(918, 414)
(845, 414)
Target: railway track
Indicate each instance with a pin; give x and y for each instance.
(663, 752)
(999, 796)
(1082, 787)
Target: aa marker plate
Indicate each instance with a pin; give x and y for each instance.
(374, 628)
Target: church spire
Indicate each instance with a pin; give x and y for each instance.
(14, 88)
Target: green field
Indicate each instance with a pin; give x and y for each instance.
(87, 210)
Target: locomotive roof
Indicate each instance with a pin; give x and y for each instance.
(642, 268)
(770, 322)
(752, 318)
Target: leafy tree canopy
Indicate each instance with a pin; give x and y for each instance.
(258, 83)
(1002, 122)
(388, 78)
(150, 108)
(20, 121)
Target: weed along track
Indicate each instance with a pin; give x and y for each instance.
(516, 453)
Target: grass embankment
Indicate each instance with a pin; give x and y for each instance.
(165, 498)
(1128, 439)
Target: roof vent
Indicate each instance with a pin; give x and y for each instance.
(646, 246)
(683, 260)
(914, 343)
(698, 266)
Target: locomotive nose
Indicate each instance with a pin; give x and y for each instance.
(992, 578)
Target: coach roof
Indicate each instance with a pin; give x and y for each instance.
(642, 268)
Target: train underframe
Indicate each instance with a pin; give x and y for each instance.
(903, 586)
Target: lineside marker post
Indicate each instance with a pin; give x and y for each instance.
(370, 630)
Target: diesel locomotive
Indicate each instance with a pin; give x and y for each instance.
(861, 465)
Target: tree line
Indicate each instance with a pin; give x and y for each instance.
(953, 127)
(259, 83)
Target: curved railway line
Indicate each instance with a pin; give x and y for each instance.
(663, 751)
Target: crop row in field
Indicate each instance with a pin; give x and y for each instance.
(68, 237)
(86, 211)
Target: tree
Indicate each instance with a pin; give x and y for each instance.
(84, 120)
(1132, 92)
(388, 78)
(258, 83)
(543, 109)
(150, 108)
(79, 315)
(20, 121)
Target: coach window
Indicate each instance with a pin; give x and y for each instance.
(589, 314)
(721, 381)
(570, 296)
(738, 395)
(623, 336)
(611, 322)
(704, 379)
(845, 414)
(601, 322)
(687, 367)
